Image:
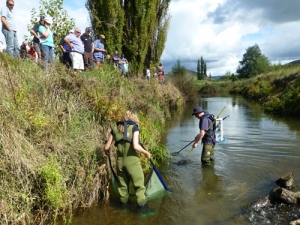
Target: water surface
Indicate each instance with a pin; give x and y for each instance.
(259, 148)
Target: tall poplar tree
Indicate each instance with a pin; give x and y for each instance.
(137, 28)
(198, 70)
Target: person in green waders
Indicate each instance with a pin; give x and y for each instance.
(126, 137)
(207, 135)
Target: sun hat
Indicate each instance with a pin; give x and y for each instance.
(102, 36)
(196, 110)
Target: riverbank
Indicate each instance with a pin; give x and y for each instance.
(53, 127)
(277, 91)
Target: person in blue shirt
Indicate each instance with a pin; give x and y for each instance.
(99, 51)
(207, 135)
(122, 65)
(9, 29)
(46, 41)
(66, 51)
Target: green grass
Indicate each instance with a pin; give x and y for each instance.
(53, 127)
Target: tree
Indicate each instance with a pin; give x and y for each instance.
(253, 63)
(201, 69)
(178, 70)
(198, 70)
(61, 21)
(137, 28)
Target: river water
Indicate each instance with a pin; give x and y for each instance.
(259, 148)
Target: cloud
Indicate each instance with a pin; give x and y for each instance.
(220, 31)
(22, 12)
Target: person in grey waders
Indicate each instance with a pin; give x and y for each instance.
(207, 135)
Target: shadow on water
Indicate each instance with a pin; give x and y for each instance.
(258, 150)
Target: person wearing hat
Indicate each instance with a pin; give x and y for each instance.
(122, 65)
(46, 41)
(99, 51)
(9, 29)
(36, 39)
(87, 41)
(207, 135)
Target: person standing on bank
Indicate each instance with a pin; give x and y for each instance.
(126, 137)
(36, 39)
(99, 51)
(9, 29)
(46, 41)
(76, 49)
(207, 136)
(88, 48)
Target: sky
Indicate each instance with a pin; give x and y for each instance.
(218, 30)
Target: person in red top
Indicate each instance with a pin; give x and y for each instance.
(31, 51)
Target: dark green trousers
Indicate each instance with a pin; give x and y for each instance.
(130, 169)
(207, 154)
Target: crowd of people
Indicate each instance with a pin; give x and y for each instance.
(79, 51)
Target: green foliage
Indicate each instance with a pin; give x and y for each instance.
(137, 28)
(178, 70)
(54, 187)
(184, 83)
(61, 21)
(54, 124)
(201, 69)
(253, 63)
(277, 90)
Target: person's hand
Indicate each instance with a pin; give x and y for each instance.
(195, 145)
(106, 152)
(148, 155)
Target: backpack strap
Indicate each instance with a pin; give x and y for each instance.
(125, 137)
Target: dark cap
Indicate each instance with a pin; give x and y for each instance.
(196, 110)
(89, 29)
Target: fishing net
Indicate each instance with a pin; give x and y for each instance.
(155, 185)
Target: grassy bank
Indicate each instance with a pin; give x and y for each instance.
(53, 127)
(277, 91)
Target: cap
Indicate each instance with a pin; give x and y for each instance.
(89, 29)
(196, 110)
(102, 36)
(48, 19)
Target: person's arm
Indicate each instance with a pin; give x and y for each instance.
(93, 47)
(138, 147)
(3, 20)
(107, 144)
(32, 31)
(198, 138)
(68, 42)
(45, 32)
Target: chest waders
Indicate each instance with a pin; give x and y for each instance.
(208, 149)
(128, 165)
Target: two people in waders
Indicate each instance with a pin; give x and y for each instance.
(126, 137)
(207, 134)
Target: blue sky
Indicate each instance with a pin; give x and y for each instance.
(218, 30)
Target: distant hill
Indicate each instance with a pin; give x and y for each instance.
(295, 62)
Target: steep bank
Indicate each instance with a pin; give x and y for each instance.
(277, 91)
(53, 126)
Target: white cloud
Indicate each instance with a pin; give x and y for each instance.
(220, 31)
(22, 12)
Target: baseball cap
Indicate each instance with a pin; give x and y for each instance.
(102, 36)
